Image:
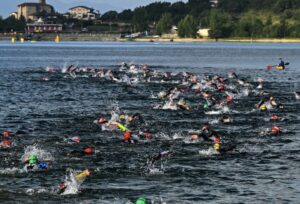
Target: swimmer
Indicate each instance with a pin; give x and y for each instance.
(182, 104)
(79, 153)
(142, 201)
(32, 163)
(160, 156)
(127, 138)
(219, 148)
(297, 95)
(80, 177)
(226, 119)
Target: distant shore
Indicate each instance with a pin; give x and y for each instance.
(116, 38)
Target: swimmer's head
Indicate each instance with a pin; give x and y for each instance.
(88, 150)
(5, 133)
(275, 130)
(127, 135)
(141, 201)
(75, 139)
(217, 146)
(217, 139)
(102, 120)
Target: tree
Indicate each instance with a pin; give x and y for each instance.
(196, 7)
(139, 19)
(156, 9)
(125, 15)
(164, 24)
(220, 24)
(187, 27)
(110, 16)
(249, 25)
(20, 24)
(1, 24)
(178, 11)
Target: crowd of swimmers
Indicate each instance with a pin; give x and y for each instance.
(215, 93)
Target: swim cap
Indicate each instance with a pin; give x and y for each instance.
(141, 201)
(274, 117)
(6, 142)
(42, 165)
(205, 106)
(32, 159)
(181, 103)
(88, 150)
(122, 116)
(5, 133)
(75, 139)
(229, 98)
(217, 139)
(217, 146)
(194, 137)
(127, 135)
(263, 107)
(275, 129)
(221, 87)
(102, 120)
(87, 172)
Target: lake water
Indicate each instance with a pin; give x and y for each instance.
(264, 169)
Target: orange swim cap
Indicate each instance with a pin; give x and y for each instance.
(88, 150)
(274, 117)
(194, 137)
(127, 135)
(5, 133)
(275, 129)
(6, 142)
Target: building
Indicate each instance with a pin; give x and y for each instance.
(31, 11)
(203, 32)
(82, 13)
(41, 27)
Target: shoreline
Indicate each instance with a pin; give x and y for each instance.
(89, 37)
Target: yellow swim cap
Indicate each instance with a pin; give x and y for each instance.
(263, 107)
(217, 146)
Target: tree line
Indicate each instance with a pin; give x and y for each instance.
(230, 18)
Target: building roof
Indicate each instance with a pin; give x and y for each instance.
(33, 4)
(81, 7)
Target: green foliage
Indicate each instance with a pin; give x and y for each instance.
(110, 16)
(11, 24)
(125, 15)
(139, 19)
(187, 27)
(178, 11)
(164, 24)
(249, 25)
(155, 10)
(219, 24)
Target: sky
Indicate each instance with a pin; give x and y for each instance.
(62, 6)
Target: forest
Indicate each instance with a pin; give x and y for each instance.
(227, 19)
